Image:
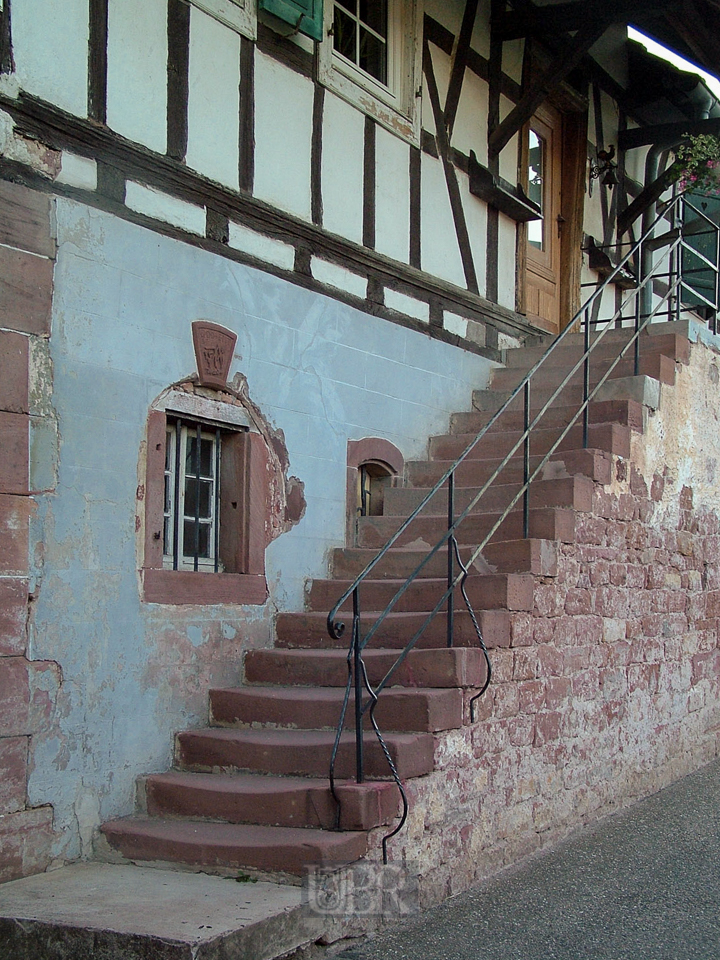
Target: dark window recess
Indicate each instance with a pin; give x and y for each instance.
(305, 16)
(360, 34)
(373, 481)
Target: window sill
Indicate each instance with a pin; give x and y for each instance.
(186, 586)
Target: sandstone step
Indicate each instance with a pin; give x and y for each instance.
(671, 345)
(591, 463)
(545, 523)
(233, 846)
(570, 492)
(316, 708)
(309, 629)
(440, 667)
(645, 390)
(519, 556)
(301, 752)
(270, 801)
(627, 412)
(491, 591)
(613, 438)
(657, 366)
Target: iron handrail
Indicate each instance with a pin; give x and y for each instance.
(357, 669)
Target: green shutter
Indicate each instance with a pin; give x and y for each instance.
(308, 12)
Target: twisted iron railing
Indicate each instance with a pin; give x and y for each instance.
(679, 259)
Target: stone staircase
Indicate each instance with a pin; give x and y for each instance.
(250, 793)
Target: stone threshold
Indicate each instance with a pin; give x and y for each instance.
(126, 912)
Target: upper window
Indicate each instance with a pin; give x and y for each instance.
(360, 35)
(371, 56)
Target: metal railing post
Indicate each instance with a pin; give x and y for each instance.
(450, 626)
(586, 380)
(357, 677)
(526, 460)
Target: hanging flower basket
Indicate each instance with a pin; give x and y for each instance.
(697, 163)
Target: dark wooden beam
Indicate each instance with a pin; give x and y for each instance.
(666, 134)
(369, 183)
(647, 196)
(7, 64)
(456, 206)
(565, 17)
(97, 60)
(461, 48)
(546, 83)
(246, 147)
(178, 64)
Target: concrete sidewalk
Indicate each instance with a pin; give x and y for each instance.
(641, 885)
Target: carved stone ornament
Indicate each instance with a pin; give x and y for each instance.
(214, 346)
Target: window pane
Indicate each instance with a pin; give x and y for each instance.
(190, 496)
(350, 5)
(373, 56)
(344, 35)
(374, 14)
(207, 458)
(203, 530)
(536, 173)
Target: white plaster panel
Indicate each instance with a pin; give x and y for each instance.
(283, 131)
(392, 196)
(509, 153)
(335, 276)
(342, 168)
(476, 222)
(160, 206)
(481, 30)
(407, 305)
(77, 171)
(440, 254)
(51, 62)
(213, 99)
(262, 247)
(507, 233)
(512, 59)
(137, 71)
(454, 323)
(470, 130)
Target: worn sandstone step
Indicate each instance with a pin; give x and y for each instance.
(232, 846)
(591, 463)
(517, 556)
(571, 492)
(309, 629)
(645, 390)
(491, 591)
(270, 801)
(657, 366)
(440, 667)
(613, 438)
(317, 708)
(545, 523)
(627, 412)
(301, 752)
(670, 344)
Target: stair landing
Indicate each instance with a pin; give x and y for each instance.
(126, 912)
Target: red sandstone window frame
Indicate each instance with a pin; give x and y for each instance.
(243, 523)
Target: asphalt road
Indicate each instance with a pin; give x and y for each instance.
(641, 885)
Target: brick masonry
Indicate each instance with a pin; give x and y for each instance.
(27, 252)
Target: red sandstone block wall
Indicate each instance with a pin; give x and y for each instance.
(609, 690)
(27, 252)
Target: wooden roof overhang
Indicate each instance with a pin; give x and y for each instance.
(568, 29)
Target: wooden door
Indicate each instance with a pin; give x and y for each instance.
(543, 237)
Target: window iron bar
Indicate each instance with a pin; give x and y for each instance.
(176, 504)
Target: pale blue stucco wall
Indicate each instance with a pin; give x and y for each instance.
(322, 372)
